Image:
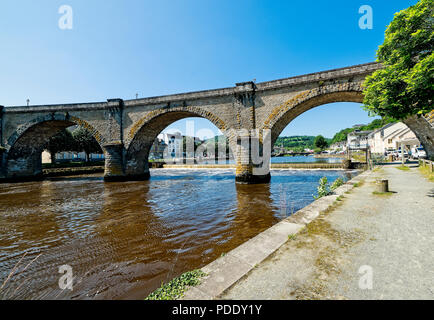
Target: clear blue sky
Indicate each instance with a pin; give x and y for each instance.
(119, 48)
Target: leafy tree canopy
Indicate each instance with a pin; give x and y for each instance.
(405, 86)
(320, 142)
(80, 140)
(63, 141)
(376, 124)
(85, 142)
(297, 143)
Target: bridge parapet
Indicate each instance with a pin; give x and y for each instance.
(126, 129)
(358, 70)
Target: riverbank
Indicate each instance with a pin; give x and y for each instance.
(69, 171)
(226, 271)
(388, 236)
(318, 252)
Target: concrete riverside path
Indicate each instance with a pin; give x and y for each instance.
(386, 238)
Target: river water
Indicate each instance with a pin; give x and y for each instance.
(123, 240)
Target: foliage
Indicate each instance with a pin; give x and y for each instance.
(175, 289)
(403, 168)
(405, 86)
(376, 124)
(320, 142)
(197, 142)
(63, 141)
(377, 193)
(323, 188)
(80, 140)
(85, 142)
(297, 143)
(337, 183)
(425, 170)
(216, 145)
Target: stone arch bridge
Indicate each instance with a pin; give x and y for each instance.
(126, 129)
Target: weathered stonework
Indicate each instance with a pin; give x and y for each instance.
(127, 129)
(424, 131)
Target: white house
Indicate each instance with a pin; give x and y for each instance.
(358, 139)
(338, 146)
(390, 137)
(174, 144)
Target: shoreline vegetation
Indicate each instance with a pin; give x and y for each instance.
(176, 288)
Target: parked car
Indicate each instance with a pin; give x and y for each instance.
(399, 154)
(418, 153)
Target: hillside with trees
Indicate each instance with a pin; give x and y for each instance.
(376, 124)
(298, 143)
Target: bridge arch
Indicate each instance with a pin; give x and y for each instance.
(283, 114)
(25, 145)
(144, 132)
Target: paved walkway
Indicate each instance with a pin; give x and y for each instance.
(388, 236)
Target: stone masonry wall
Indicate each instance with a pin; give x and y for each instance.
(126, 129)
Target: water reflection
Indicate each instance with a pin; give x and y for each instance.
(123, 239)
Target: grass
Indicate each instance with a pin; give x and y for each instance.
(426, 172)
(327, 261)
(382, 193)
(377, 169)
(325, 243)
(403, 168)
(176, 288)
(10, 276)
(358, 184)
(292, 236)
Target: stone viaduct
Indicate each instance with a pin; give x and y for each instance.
(126, 129)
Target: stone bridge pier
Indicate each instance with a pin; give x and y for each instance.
(250, 115)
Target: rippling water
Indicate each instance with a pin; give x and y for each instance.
(123, 239)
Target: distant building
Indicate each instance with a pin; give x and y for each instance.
(358, 139)
(174, 144)
(390, 137)
(278, 150)
(338, 146)
(157, 149)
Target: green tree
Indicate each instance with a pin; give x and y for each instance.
(405, 86)
(63, 141)
(85, 142)
(375, 124)
(320, 142)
